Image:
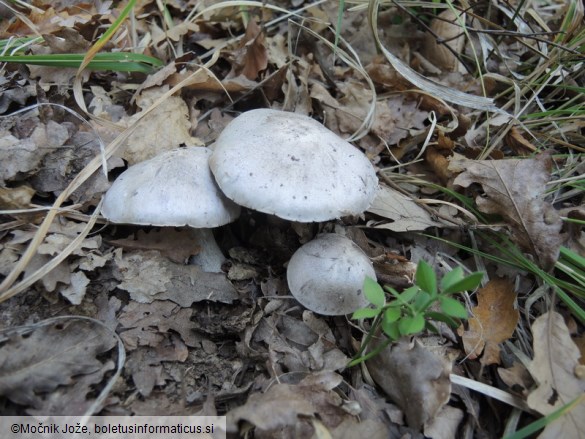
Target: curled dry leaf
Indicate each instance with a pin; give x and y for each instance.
(177, 245)
(445, 31)
(556, 358)
(406, 215)
(414, 378)
(165, 128)
(285, 410)
(494, 320)
(34, 365)
(515, 190)
(148, 276)
(251, 57)
(515, 140)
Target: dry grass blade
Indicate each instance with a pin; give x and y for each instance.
(37, 275)
(492, 392)
(446, 93)
(351, 58)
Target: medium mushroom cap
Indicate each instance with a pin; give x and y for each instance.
(175, 188)
(291, 166)
(326, 275)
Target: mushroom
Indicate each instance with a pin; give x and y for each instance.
(326, 275)
(291, 166)
(174, 189)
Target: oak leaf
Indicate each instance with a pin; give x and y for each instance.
(33, 366)
(494, 320)
(515, 189)
(556, 359)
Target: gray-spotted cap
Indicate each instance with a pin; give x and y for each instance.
(291, 166)
(175, 188)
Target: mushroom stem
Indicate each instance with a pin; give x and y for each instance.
(210, 257)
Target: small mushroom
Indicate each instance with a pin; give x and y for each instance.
(291, 166)
(326, 275)
(174, 189)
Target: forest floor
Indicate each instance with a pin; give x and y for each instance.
(472, 115)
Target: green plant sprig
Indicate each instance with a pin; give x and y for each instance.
(411, 311)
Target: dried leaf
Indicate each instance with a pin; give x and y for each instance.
(34, 365)
(556, 358)
(75, 292)
(494, 321)
(16, 198)
(445, 424)
(291, 405)
(515, 140)
(446, 29)
(515, 190)
(177, 245)
(516, 377)
(251, 57)
(414, 378)
(407, 216)
(148, 276)
(156, 318)
(165, 128)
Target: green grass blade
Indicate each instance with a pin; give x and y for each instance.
(543, 422)
(120, 61)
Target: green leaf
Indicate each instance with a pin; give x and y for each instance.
(411, 325)
(452, 307)
(468, 283)
(365, 313)
(374, 292)
(407, 295)
(451, 277)
(422, 301)
(392, 314)
(119, 61)
(391, 329)
(440, 317)
(426, 278)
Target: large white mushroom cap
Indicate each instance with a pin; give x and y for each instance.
(175, 188)
(291, 166)
(326, 275)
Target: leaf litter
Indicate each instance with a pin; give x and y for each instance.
(235, 342)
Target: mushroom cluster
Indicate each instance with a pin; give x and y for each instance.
(275, 162)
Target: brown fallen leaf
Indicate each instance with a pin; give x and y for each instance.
(515, 140)
(515, 189)
(494, 320)
(250, 58)
(556, 358)
(148, 276)
(414, 378)
(438, 163)
(406, 215)
(164, 128)
(34, 365)
(141, 320)
(446, 29)
(288, 408)
(177, 245)
(16, 198)
(516, 377)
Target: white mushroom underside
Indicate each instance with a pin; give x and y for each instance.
(291, 166)
(326, 275)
